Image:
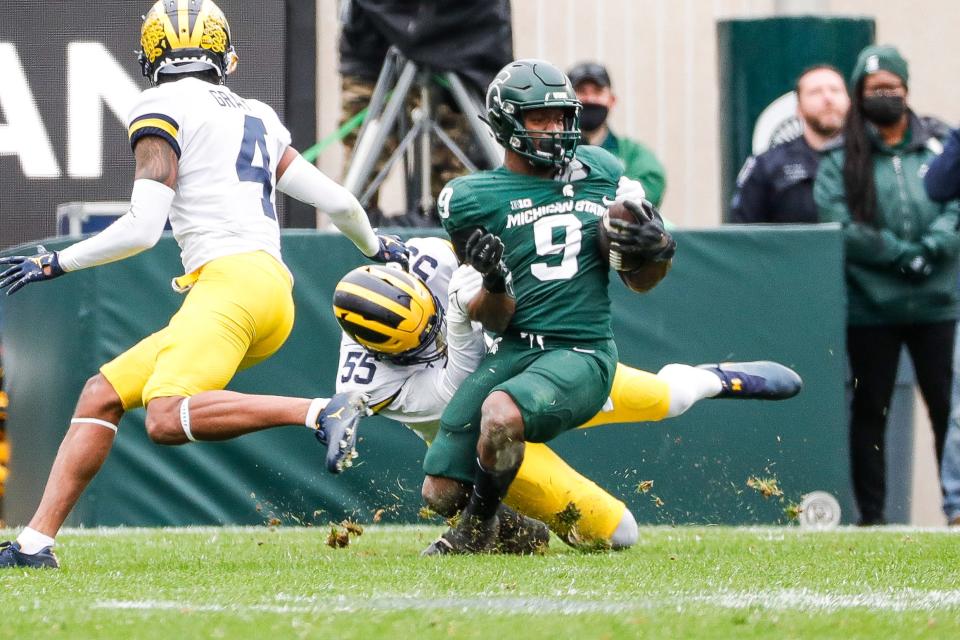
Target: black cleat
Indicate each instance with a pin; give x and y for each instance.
(469, 535)
(521, 535)
(760, 380)
(337, 428)
(11, 557)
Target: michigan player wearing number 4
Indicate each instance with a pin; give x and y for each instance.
(409, 344)
(211, 161)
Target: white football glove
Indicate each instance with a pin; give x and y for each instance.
(465, 284)
(630, 190)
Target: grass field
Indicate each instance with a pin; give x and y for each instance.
(684, 582)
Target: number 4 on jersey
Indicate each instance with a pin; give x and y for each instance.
(254, 137)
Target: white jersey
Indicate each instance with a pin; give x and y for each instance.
(416, 395)
(228, 149)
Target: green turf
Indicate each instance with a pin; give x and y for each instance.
(706, 582)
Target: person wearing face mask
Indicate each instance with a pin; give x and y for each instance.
(901, 260)
(777, 185)
(592, 84)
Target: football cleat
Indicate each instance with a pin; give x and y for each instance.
(519, 534)
(760, 380)
(469, 535)
(11, 557)
(337, 428)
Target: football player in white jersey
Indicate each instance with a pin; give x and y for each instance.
(211, 161)
(408, 343)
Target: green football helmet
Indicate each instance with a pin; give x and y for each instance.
(525, 85)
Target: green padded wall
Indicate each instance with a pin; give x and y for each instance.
(732, 294)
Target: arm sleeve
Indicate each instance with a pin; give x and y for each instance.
(749, 204)
(864, 245)
(942, 180)
(135, 231)
(308, 184)
(426, 392)
(466, 345)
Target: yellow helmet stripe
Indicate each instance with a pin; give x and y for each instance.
(402, 283)
(405, 281)
(383, 301)
(197, 35)
(389, 333)
(169, 29)
(183, 22)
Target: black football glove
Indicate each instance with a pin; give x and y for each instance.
(392, 249)
(646, 240)
(484, 252)
(915, 266)
(26, 269)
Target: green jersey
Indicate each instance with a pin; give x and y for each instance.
(550, 231)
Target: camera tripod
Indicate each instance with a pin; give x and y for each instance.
(386, 112)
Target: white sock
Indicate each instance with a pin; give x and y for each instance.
(32, 541)
(318, 405)
(688, 385)
(626, 533)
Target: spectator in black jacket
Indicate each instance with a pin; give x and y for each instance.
(942, 179)
(777, 186)
(942, 182)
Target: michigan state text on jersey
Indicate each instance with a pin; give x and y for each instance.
(549, 229)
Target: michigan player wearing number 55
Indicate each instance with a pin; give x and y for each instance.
(531, 228)
(211, 161)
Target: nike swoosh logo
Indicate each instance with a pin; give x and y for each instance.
(607, 201)
(579, 350)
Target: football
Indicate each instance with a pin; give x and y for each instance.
(638, 274)
(617, 211)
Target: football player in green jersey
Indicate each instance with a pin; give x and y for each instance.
(531, 228)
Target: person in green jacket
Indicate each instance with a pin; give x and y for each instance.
(901, 260)
(591, 82)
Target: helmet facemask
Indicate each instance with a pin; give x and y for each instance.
(432, 347)
(546, 148)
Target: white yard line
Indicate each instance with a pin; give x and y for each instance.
(782, 600)
(807, 600)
